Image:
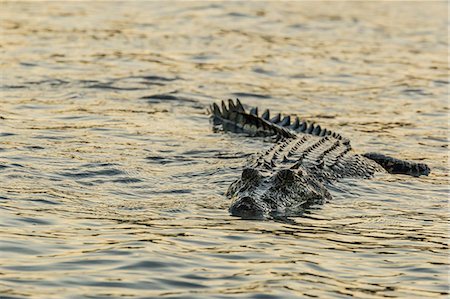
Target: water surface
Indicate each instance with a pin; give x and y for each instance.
(112, 182)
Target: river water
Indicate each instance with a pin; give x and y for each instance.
(112, 182)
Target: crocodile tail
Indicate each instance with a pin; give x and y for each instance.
(234, 118)
(397, 166)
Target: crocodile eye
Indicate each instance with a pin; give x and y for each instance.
(285, 176)
(250, 174)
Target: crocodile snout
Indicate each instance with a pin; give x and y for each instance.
(248, 208)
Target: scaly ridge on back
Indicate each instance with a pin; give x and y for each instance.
(234, 118)
(327, 157)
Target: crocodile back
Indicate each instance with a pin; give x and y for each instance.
(327, 158)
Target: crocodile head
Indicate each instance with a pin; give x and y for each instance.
(259, 195)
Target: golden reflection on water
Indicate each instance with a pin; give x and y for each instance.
(111, 180)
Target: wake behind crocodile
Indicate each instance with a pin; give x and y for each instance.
(297, 171)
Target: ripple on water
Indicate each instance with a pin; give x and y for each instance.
(112, 182)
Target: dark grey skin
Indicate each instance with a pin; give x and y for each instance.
(285, 193)
(293, 175)
(296, 171)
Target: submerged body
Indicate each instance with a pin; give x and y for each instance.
(294, 173)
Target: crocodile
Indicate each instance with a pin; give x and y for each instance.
(298, 170)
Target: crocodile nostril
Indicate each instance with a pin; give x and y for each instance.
(247, 207)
